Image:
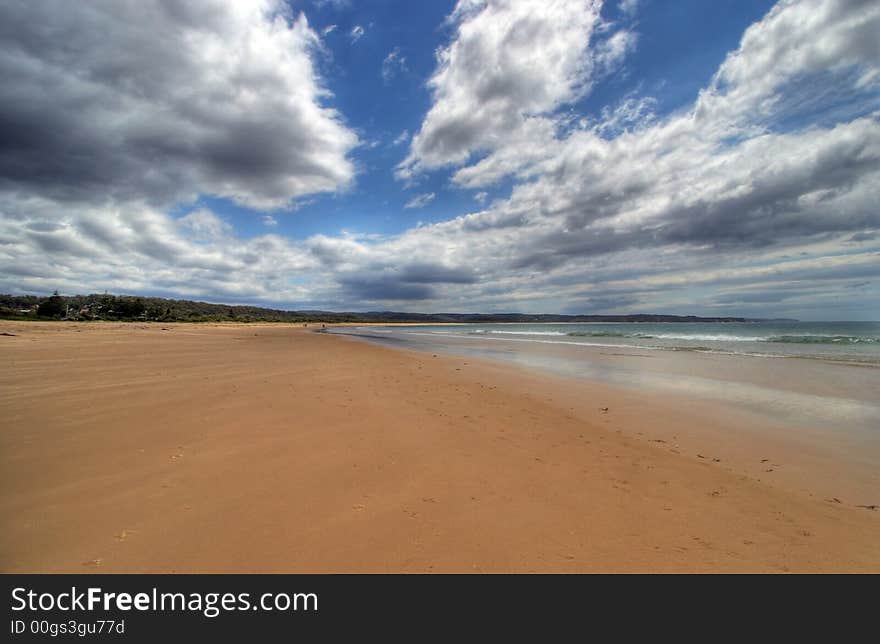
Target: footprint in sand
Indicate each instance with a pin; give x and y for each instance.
(92, 563)
(125, 534)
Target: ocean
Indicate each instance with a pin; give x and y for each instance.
(837, 341)
(823, 374)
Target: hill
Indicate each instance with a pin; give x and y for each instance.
(128, 307)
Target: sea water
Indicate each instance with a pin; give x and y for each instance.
(817, 373)
(840, 341)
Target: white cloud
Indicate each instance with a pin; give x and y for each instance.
(402, 138)
(329, 29)
(204, 225)
(804, 42)
(336, 4)
(509, 66)
(631, 113)
(713, 208)
(172, 100)
(666, 199)
(357, 32)
(420, 201)
(629, 7)
(609, 53)
(393, 63)
(140, 250)
(269, 220)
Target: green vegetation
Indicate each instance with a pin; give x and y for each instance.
(132, 308)
(52, 307)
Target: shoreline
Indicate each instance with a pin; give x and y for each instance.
(811, 458)
(263, 447)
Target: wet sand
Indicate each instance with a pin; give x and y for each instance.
(811, 425)
(267, 448)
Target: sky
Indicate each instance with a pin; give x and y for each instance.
(537, 156)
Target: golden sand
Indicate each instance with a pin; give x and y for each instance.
(268, 448)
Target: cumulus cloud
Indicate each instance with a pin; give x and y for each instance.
(172, 99)
(508, 66)
(137, 249)
(715, 184)
(420, 201)
(755, 188)
(812, 48)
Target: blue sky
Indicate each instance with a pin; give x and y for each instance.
(681, 47)
(578, 156)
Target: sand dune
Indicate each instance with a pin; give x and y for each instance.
(267, 448)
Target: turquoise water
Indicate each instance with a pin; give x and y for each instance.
(843, 341)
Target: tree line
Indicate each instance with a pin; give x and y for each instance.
(129, 307)
(133, 308)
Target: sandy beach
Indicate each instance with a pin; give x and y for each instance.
(270, 448)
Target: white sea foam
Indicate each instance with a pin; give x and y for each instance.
(706, 337)
(493, 331)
